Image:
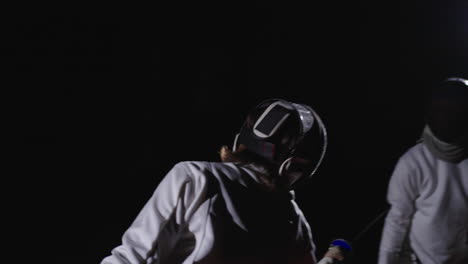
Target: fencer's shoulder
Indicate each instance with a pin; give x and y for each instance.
(415, 150)
(194, 172)
(197, 167)
(414, 154)
(191, 167)
(206, 170)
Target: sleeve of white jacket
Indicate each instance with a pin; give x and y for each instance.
(402, 193)
(140, 240)
(326, 260)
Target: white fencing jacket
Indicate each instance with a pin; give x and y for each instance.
(429, 210)
(209, 212)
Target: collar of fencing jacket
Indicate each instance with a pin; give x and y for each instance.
(449, 152)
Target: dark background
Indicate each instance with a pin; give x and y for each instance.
(110, 98)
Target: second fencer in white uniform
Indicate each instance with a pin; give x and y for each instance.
(428, 191)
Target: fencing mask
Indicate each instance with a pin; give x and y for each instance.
(288, 135)
(447, 111)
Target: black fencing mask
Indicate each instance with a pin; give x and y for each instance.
(447, 111)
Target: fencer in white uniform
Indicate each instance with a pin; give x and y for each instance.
(428, 191)
(240, 210)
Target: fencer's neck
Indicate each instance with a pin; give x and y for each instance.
(450, 152)
(267, 181)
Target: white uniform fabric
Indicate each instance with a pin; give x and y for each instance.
(326, 260)
(429, 211)
(209, 212)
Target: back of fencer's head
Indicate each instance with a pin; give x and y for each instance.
(273, 148)
(287, 137)
(447, 110)
(283, 140)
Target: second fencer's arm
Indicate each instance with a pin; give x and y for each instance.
(403, 190)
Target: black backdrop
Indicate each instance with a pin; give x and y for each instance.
(111, 98)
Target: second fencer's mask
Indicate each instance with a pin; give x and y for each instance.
(447, 111)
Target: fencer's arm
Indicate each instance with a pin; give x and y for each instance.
(403, 190)
(326, 260)
(336, 253)
(140, 239)
(333, 255)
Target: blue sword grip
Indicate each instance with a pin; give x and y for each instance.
(341, 243)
